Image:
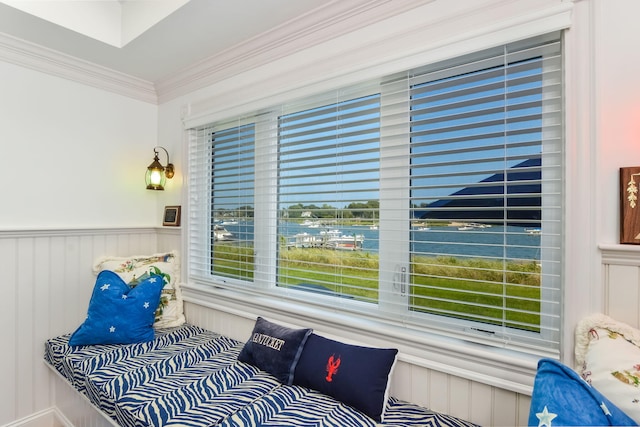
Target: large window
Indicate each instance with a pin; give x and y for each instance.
(429, 198)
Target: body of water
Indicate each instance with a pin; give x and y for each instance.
(444, 240)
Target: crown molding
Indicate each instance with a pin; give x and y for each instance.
(30, 55)
(333, 19)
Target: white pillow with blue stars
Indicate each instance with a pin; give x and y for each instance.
(118, 313)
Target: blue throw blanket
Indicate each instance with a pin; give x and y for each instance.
(562, 398)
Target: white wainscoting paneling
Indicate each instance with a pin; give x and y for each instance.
(621, 269)
(47, 279)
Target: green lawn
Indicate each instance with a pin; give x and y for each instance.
(477, 289)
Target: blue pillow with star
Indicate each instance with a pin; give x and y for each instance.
(118, 313)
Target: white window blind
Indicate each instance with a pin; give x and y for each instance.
(328, 199)
(430, 199)
(223, 172)
(486, 187)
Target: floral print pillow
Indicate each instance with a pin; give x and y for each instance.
(611, 364)
(135, 269)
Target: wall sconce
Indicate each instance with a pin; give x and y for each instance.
(157, 174)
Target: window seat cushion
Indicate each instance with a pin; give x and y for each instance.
(191, 376)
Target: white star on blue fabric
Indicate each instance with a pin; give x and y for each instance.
(124, 296)
(105, 287)
(153, 280)
(605, 409)
(112, 329)
(545, 417)
(146, 304)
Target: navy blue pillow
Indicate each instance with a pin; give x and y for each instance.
(274, 349)
(357, 376)
(119, 314)
(562, 398)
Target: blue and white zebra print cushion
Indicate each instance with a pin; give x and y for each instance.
(188, 376)
(119, 314)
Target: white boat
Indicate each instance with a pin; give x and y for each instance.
(221, 233)
(310, 224)
(345, 242)
(476, 225)
(534, 231)
(331, 233)
(465, 228)
(330, 239)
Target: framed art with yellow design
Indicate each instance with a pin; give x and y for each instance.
(629, 205)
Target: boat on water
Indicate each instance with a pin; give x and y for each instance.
(533, 231)
(328, 239)
(311, 224)
(221, 234)
(473, 225)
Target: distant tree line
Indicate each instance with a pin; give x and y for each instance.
(352, 210)
(367, 210)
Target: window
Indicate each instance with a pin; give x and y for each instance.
(429, 198)
(229, 189)
(485, 138)
(328, 198)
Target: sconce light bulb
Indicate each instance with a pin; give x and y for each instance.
(156, 177)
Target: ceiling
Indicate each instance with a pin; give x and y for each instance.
(155, 44)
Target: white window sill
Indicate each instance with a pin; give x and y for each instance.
(499, 367)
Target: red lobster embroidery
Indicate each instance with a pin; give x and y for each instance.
(332, 367)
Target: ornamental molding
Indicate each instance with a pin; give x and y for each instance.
(335, 19)
(619, 254)
(332, 20)
(33, 56)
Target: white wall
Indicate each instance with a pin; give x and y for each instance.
(73, 159)
(616, 116)
(73, 155)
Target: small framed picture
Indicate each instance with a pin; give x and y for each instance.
(629, 205)
(171, 216)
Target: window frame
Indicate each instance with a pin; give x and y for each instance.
(395, 255)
